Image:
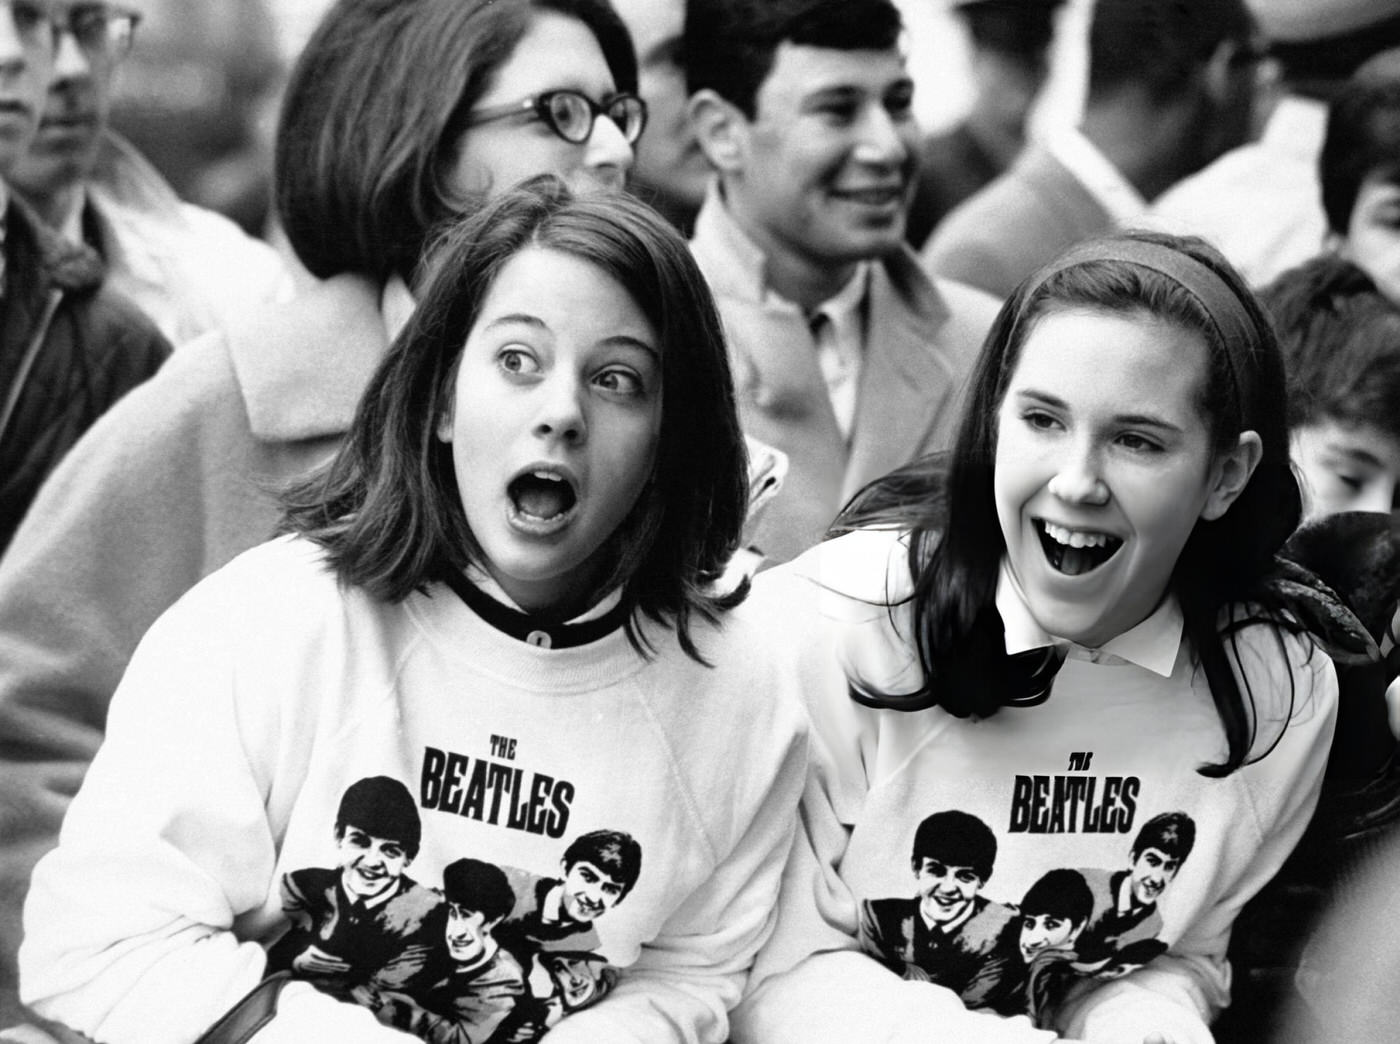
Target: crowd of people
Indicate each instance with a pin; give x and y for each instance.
(666, 501)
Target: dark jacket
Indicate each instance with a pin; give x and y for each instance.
(68, 351)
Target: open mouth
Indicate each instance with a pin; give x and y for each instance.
(1075, 551)
(541, 496)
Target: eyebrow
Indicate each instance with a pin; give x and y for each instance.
(1142, 420)
(535, 322)
(1355, 453)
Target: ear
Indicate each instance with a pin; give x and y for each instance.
(1231, 473)
(1216, 74)
(721, 129)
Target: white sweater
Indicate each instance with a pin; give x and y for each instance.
(257, 699)
(1067, 784)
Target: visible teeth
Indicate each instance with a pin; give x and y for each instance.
(1075, 537)
(547, 476)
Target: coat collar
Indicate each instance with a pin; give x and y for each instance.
(68, 266)
(904, 375)
(302, 366)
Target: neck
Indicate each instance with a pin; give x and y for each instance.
(795, 276)
(1151, 145)
(60, 209)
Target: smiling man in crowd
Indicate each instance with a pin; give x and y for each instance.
(846, 357)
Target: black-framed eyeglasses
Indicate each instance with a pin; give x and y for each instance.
(99, 29)
(571, 114)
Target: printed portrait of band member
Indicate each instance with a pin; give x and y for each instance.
(599, 869)
(559, 983)
(1122, 933)
(470, 989)
(364, 925)
(949, 933)
(1054, 914)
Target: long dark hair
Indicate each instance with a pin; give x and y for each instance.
(387, 509)
(956, 543)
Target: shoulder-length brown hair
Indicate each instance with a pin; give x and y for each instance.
(388, 510)
(373, 113)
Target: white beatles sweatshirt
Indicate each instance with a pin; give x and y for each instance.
(890, 933)
(257, 700)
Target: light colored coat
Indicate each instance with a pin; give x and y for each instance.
(921, 339)
(168, 486)
(1023, 219)
(189, 269)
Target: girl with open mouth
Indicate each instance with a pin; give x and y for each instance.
(1065, 636)
(508, 591)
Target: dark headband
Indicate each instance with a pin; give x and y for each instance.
(1227, 312)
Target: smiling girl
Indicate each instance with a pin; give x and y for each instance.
(502, 593)
(1069, 638)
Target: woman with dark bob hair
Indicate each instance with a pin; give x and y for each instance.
(1066, 630)
(399, 114)
(505, 593)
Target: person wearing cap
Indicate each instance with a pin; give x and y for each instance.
(949, 933)
(1261, 203)
(188, 269)
(1009, 42)
(1171, 87)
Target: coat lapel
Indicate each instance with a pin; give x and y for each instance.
(904, 382)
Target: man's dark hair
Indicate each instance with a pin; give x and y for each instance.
(479, 887)
(729, 44)
(956, 839)
(1171, 832)
(615, 853)
(382, 807)
(1158, 45)
(1363, 141)
(1341, 342)
(1017, 28)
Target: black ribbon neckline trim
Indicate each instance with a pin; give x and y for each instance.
(542, 630)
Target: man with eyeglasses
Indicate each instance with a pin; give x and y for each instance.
(68, 347)
(187, 268)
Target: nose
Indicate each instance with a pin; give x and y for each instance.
(607, 157)
(70, 62)
(882, 142)
(561, 411)
(1078, 480)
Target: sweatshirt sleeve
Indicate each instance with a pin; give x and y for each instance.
(1293, 688)
(129, 921)
(114, 537)
(685, 981)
